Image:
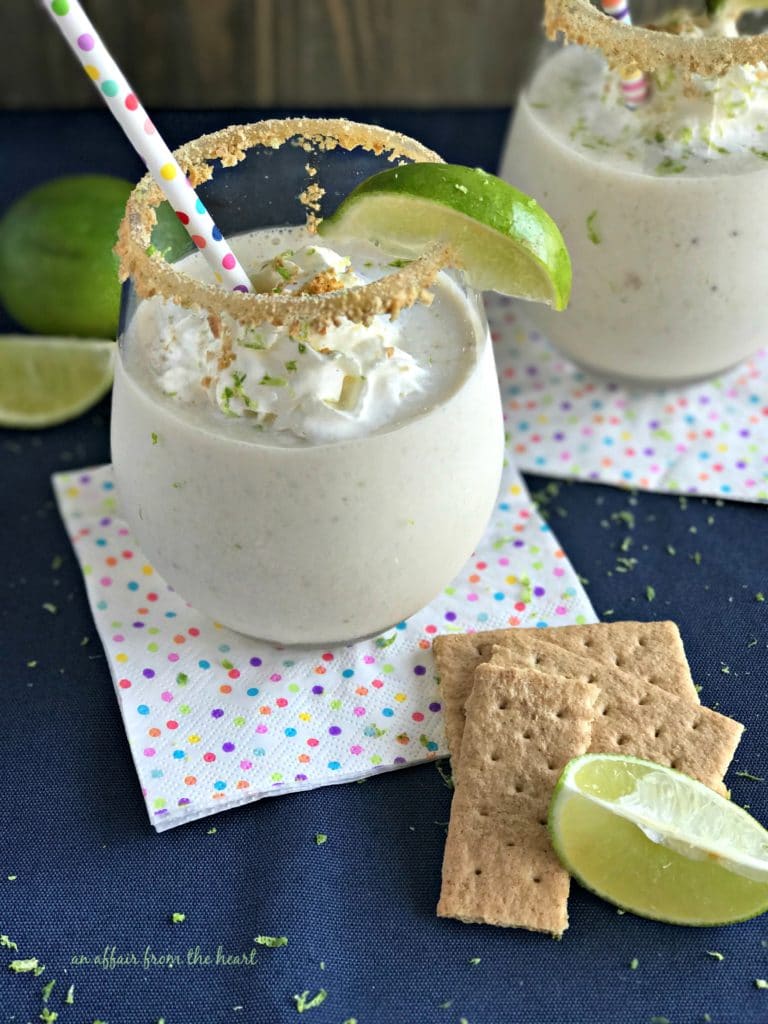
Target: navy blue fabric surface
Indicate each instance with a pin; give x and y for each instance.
(90, 875)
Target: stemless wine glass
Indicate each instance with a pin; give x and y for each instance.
(663, 207)
(301, 542)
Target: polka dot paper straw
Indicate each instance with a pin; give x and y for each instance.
(634, 84)
(106, 76)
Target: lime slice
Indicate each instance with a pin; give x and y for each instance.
(657, 842)
(505, 241)
(45, 381)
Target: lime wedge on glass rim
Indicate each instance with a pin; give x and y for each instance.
(46, 380)
(505, 241)
(657, 842)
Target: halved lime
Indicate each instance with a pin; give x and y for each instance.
(505, 241)
(657, 842)
(58, 273)
(45, 381)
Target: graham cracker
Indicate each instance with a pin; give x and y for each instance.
(632, 716)
(499, 867)
(652, 651)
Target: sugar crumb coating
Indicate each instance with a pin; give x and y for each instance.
(152, 275)
(650, 48)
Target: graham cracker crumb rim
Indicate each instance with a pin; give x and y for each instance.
(152, 275)
(648, 49)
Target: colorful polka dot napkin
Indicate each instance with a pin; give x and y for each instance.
(709, 439)
(215, 719)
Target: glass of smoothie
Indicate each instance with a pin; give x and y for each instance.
(314, 461)
(661, 196)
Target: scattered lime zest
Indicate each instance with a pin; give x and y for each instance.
(154, 437)
(177, 918)
(48, 1016)
(444, 775)
(6, 943)
(670, 166)
(49, 607)
(47, 989)
(382, 641)
(69, 998)
(593, 232)
(634, 963)
(24, 966)
(760, 597)
(473, 961)
(650, 593)
(715, 955)
(303, 1002)
(761, 983)
(271, 941)
(750, 776)
(321, 838)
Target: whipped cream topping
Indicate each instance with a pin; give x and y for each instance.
(688, 122)
(321, 387)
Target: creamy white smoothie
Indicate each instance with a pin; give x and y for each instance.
(304, 486)
(664, 210)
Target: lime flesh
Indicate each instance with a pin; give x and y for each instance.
(658, 843)
(504, 240)
(46, 381)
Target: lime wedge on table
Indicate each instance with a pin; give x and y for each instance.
(657, 842)
(505, 241)
(45, 381)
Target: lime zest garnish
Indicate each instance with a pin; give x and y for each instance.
(321, 838)
(593, 232)
(24, 966)
(271, 941)
(303, 1002)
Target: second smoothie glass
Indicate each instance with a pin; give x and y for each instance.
(663, 207)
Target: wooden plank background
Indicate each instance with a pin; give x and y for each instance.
(293, 53)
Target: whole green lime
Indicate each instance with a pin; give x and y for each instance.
(58, 274)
